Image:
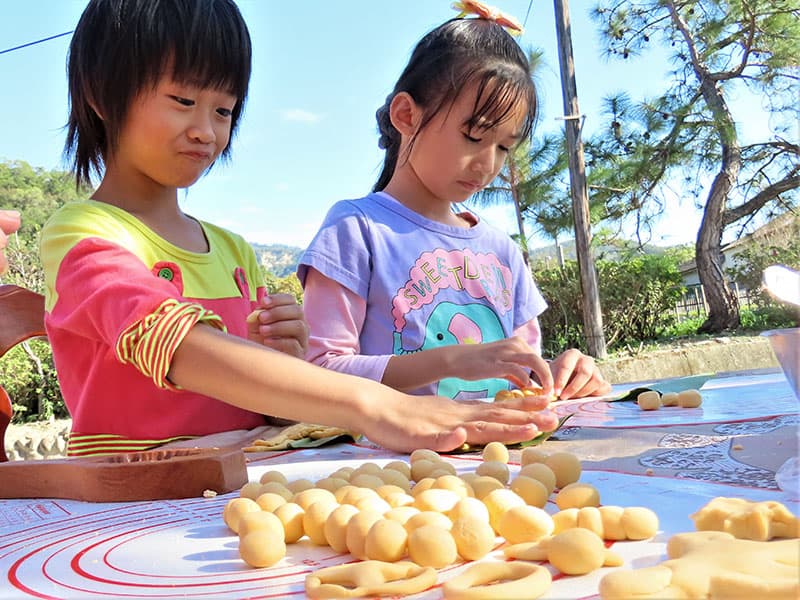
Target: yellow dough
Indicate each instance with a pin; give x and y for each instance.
(386, 541)
(669, 399)
(565, 466)
(541, 473)
(473, 535)
(307, 497)
(335, 528)
(369, 578)
(495, 451)
(262, 548)
(432, 546)
(532, 491)
(253, 521)
(577, 495)
(291, 516)
(525, 524)
(356, 532)
(490, 581)
(235, 508)
(494, 468)
(499, 502)
(689, 399)
(759, 521)
(609, 522)
(314, 519)
(270, 501)
(713, 564)
(650, 400)
(573, 552)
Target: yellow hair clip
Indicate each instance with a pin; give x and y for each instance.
(485, 11)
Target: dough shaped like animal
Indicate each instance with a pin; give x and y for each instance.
(713, 564)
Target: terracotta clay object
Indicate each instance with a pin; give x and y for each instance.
(150, 475)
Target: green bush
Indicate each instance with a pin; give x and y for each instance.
(637, 295)
(30, 380)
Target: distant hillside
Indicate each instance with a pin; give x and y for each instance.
(550, 253)
(278, 259)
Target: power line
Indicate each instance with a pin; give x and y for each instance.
(527, 14)
(52, 37)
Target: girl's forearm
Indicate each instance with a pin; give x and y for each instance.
(258, 379)
(411, 371)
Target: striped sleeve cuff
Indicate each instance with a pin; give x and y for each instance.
(150, 343)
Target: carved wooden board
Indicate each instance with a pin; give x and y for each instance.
(151, 475)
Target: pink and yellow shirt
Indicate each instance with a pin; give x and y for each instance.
(119, 300)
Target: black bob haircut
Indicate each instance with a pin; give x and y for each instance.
(122, 47)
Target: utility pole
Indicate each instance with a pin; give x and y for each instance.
(592, 316)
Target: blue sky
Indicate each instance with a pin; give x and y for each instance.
(308, 136)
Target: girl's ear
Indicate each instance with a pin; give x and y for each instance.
(405, 114)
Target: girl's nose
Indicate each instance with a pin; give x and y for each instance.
(201, 129)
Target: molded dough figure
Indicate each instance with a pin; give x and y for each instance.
(759, 521)
(712, 564)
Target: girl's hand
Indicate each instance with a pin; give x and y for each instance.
(576, 375)
(9, 223)
(442, 424)
(279, 324)
(511, 358)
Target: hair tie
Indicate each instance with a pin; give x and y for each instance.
(485, 11)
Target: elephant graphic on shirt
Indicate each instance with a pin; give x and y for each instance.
(450, 324)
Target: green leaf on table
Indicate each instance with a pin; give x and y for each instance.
(532, 442)
(308, 442)
(677, 384)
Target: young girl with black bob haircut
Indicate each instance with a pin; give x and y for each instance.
(160, 324)
(399, 287)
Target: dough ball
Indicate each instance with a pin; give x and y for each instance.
(495, 451)
(396, 478)
(270, 501)
(473, 535)
(276, 487)
(423, 484)
(261, 519)
(400, 466)
(531, 455)
(401, 514)
(669, 399)
(499, 502)
(455, 484)
(357, 529)
(541, 473)
(366, 480)
(373, 503)
(386, 541)
(469, 507)
(565, 466)
(234, 510)
(307, 497)
(532, 491)
(250, 490)
(424, 454)
(438, 500)
(576, 551)
(525, 524)
(331, 483)
(291, 516)
(565, 519)
(577, 495)
(298, 485)
(689, 399)
(351, 494)
(422, 468)
(432, 546)
(611, 517)
(650, 400)
(335, 528)
(428, 518)
(314, 520)
(494, 468)
(482, 485)
(589, 518)
(399, 499)
(262, 548)
(343, 473)
(639, 523)
(274, 476)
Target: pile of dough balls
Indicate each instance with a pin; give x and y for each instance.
(653, 400)
(424, 512)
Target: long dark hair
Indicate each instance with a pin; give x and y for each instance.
(121, 47)
(453, 56)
